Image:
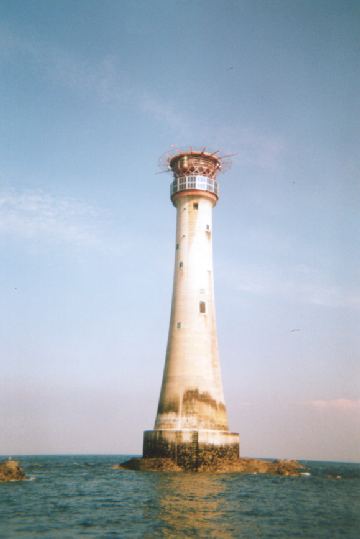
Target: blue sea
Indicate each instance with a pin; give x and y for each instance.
(82, 496)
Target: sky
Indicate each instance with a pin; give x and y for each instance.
(92, 93)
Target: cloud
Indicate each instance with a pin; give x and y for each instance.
(256, 148)
(109, 82)
(296, 283)
(106, 78)
(165, 113)
(336, 404)
(71, 71)
(251, 146)
(33, 214)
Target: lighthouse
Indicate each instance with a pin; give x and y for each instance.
(191, 425)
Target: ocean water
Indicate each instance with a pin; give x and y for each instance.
(82, 496)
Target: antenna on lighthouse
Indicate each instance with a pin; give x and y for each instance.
(224, 161)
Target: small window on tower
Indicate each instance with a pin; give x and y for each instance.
(181, 264)
(177, 246)
(178, 325)
(196, 205)
(202, 307)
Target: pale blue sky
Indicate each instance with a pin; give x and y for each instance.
(91, 94)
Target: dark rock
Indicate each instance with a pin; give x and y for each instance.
(10, 470)
(150, 464)
(240, 465)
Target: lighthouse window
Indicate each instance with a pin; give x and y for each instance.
(181, 264)
(177, 246)
(178, 325)
(202, 307)
(196, 205)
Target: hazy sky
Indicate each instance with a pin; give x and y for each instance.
(91, 94)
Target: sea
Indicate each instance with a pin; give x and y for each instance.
(83, 496)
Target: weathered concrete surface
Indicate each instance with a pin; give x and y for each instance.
(241, 465)
(192, 394)
(189, 448)
(10, 470)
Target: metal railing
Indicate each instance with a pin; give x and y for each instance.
(201, 183)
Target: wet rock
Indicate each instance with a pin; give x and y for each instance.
(10, 470)
(288, 467)
(150, 465)
(241, 465)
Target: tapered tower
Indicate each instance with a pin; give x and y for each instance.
(191, 425)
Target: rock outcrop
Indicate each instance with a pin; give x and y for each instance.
(150, 465)
(10, 470)
(241, 465)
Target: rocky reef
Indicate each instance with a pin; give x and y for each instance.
(10, 470)
(241, 465)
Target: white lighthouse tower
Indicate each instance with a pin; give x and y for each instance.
(191, 425)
